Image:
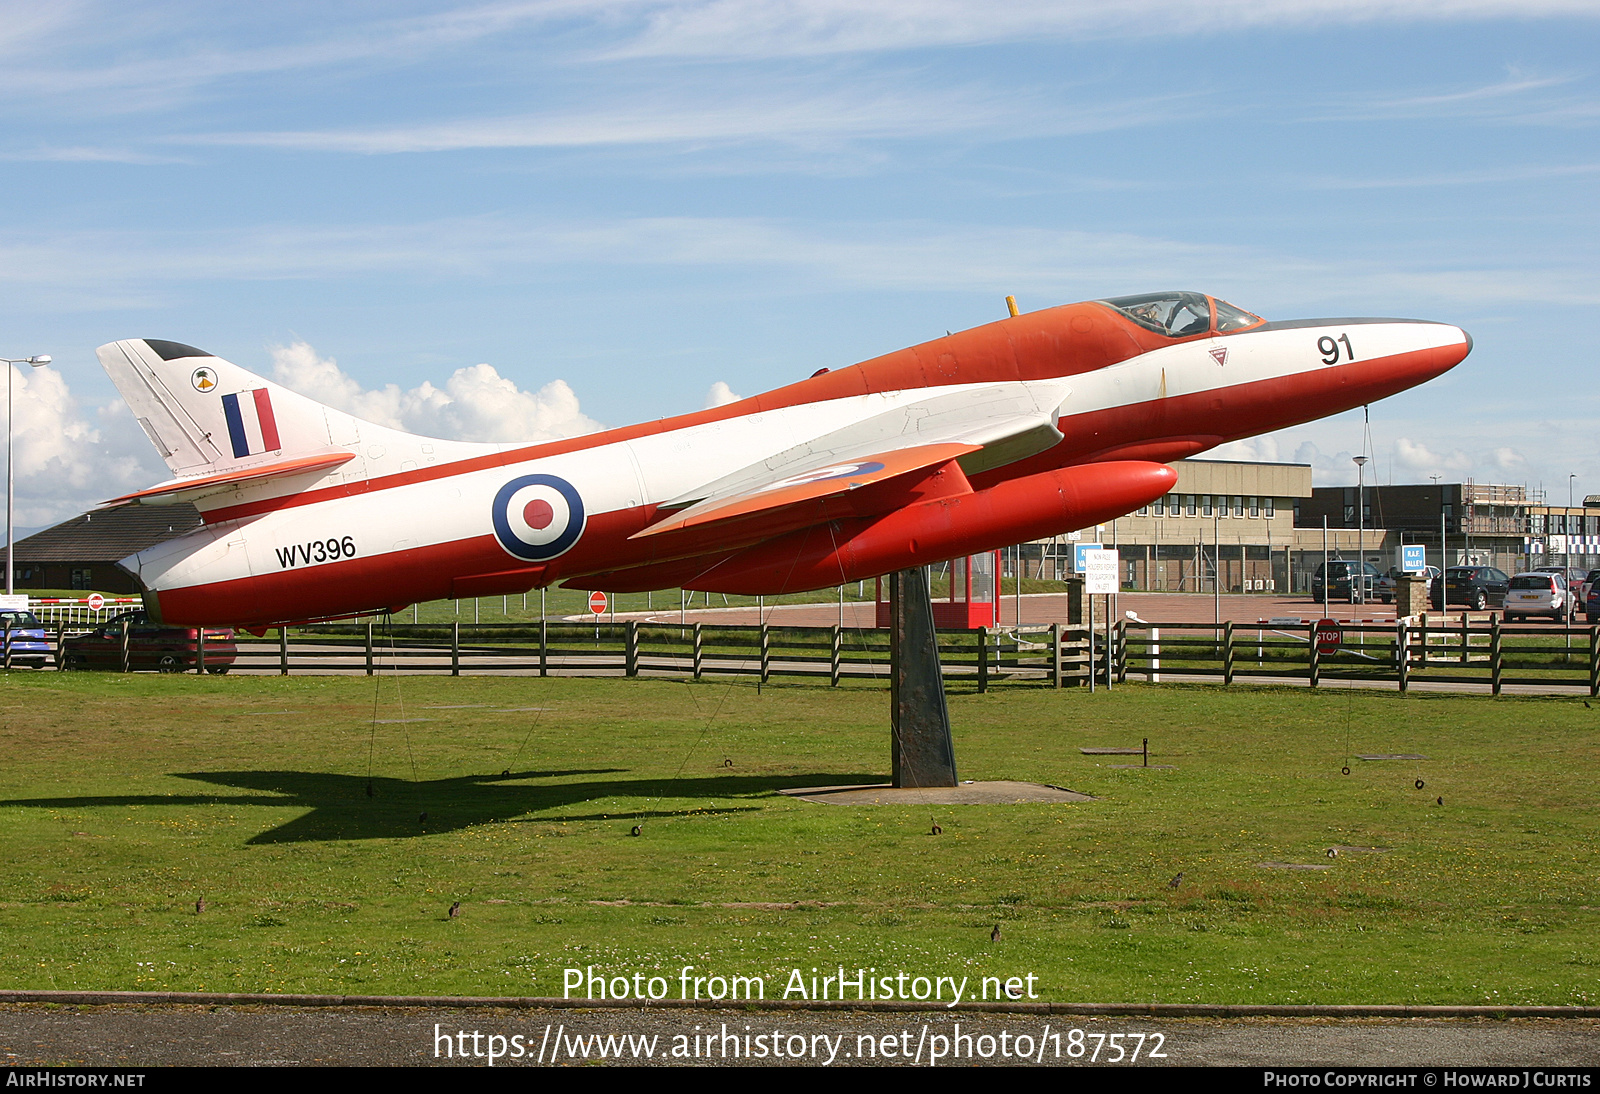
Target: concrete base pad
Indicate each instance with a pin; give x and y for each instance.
(995, 793)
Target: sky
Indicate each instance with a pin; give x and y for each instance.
(522, 220)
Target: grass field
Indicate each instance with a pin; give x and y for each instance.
(124, 799)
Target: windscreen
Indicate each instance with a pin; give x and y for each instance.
(1174, 314)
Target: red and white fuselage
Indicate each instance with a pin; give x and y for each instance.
(1035, 425)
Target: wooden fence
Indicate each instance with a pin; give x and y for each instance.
(1478, 652)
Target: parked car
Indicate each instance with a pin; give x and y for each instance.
(25, 638)
(1340, 575)
(1387, 583)
(1589, 580)
(150, 646)
(1475, 586)
(1591, 603)
(1539, 592)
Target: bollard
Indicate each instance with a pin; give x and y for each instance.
(369, 648)
(698, 651)
(455, 649)
(1227, 652)
(200, 651)
(835, 655)
(630, 648)
(544, 648)
(283, 651)
(123, 648)
(983, 660)
(1055, 656)
(766, 652)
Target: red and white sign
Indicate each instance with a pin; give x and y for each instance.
(597, 603)
(96, 602)
(1330, 636)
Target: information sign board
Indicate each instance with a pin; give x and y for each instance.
(1100, 569)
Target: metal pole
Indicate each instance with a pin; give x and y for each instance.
(10, 568)
(1325, 574)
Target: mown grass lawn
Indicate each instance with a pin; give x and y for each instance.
(125, 799)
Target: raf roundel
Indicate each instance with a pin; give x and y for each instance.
(537, 517)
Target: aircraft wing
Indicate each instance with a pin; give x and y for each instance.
(981, 427)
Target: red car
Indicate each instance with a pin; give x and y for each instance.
(150, 646)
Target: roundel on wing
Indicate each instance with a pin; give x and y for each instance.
(537, 517)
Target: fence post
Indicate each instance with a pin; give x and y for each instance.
(630, 648)
(1122, 651)
(544, 648)
(1494, 654)
(61, 658)
(1466, 638)
(123, 647)
(699, 649)
(1402, 655)
(983, 660)
(1227, 652)
(455, 649)
(369, 647)
(1424, 636)
(1055, 655)
(1314, 665)
(1594, 662)
(766, 651)
(200, 651)
(834, 655)
(283, 651)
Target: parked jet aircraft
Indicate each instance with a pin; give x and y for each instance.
(1028, 427)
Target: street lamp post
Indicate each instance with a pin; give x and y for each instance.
(41, 359)
(1361, 534)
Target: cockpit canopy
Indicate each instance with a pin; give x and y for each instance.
(1181, 314)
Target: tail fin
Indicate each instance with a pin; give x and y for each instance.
(220, 427)
(206, 415)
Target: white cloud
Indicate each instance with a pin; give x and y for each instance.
(879, 109)
(475, 403)
(68, 460)
(765, 28)
(93, 269)
(721, 395)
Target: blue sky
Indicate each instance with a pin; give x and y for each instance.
(527, 219)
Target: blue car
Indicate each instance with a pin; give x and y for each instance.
(25, 638)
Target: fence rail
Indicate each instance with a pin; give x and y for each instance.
(1470, 651)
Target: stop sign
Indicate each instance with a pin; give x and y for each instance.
(96, 602)
(1329, 636)
(597, 603)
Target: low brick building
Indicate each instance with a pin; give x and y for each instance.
(82, 553)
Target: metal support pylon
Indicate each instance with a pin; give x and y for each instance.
(923, 753)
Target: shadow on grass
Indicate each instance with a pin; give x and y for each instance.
(341, 807)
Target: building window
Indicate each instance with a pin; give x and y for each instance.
(1268, 502)
(1349, 515)
(1144, 511)
(1160, 506)
(1188, 503)
(80, 579)
(1238, 506)
(1255, 506)
(1536, 525)
(1205, 505)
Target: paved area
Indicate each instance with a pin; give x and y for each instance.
(153, 1036)
(1044, 608)
(999, 792)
